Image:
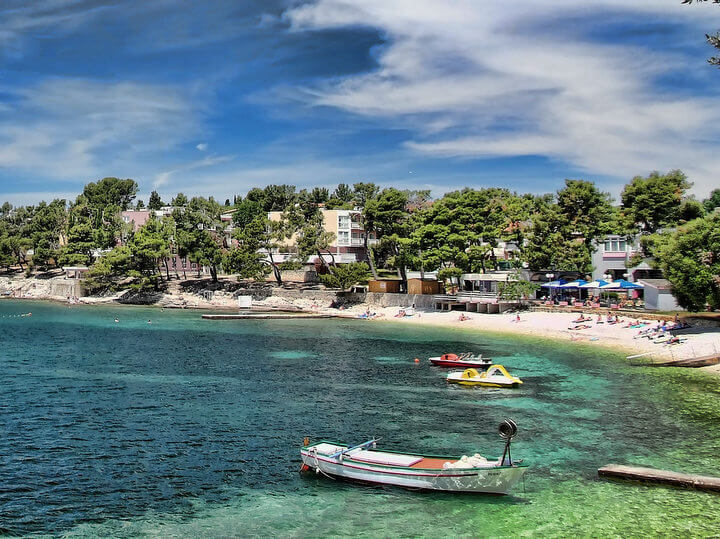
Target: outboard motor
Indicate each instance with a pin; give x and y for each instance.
(507, 430)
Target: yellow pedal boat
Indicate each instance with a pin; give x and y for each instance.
(495, 376)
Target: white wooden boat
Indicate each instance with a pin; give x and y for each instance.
(365, 463)
(495, 376)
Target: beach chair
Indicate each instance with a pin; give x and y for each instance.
(563, 303)
(614, 306)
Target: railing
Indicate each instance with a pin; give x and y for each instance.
(468, 294)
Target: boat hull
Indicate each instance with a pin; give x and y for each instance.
(459, 363)
(494, 480)
(482, 383)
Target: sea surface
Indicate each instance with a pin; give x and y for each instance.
(164, 424)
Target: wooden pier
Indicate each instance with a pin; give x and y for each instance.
(266, 316)
(692, 362)
(688, 362)
(663, 477)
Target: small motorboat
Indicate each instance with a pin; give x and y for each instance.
(462, 360)
(495, 376)
(365, 463)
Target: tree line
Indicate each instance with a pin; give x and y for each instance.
(453, 234)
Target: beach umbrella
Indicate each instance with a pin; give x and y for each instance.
(553, 284)
(594, 284)
(574, 284)
(621, 284)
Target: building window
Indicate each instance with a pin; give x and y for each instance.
(343, 221)
(343, 237)
(615, 246)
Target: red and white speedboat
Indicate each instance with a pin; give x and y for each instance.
(463, 360)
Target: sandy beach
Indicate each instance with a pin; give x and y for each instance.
(547, 325)
(697, 340)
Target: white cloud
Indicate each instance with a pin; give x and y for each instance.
(163, 178)
(202, 146)
(484, 79)
(70, 128)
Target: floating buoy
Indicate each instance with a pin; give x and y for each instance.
(417, 360)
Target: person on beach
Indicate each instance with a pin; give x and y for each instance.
(463, 317)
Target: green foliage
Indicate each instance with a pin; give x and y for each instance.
(110, 192)
(690, 260)
(155, 202)
(246, 212)
(690, 210)
(80, 243)
(150, 245)
(517, 290)
(243, 258)
(463, 227)
(713, 201)
(561, 235)
(448, 274)
(180, 200)
(45, 227)
(343, 197)
(109, 270)
(343, 193)
(364, 191)
(274, 197)
(655, 202)
(346, 275)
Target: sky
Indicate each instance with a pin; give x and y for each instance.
(217, 97)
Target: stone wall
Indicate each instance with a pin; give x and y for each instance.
(68, 288)
(421, 301)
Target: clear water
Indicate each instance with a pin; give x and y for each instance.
(187, 427)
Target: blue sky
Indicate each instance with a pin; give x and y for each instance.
(215, 97)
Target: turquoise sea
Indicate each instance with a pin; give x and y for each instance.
(186, 427)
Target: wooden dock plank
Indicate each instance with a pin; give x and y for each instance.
(266, 316)
(692, 362)
(652, 475)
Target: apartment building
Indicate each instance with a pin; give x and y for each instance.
(349, 243)
(614, 257)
